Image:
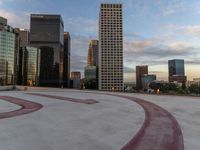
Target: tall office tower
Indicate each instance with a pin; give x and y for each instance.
(46, 33)
(110, 48)
(28, 73)
(93, 53)
(22, 40)
(24, 37)
(66, 60)
(176, 70)
(16, 58)
(91, 70)
(140, 71)
(7, 53)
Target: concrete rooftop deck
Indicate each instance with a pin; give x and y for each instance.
(60, 119)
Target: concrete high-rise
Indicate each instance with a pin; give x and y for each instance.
(24, 37)
(110, 47)
(176, 70)
(140, 71)
(66, 60)
(46, 33)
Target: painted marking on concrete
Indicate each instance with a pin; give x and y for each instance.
(160, 130)
(26, 107)
(83, 101)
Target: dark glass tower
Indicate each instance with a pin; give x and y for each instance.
(176, 70)
(140, 71)
(66, 60)
(46, 33)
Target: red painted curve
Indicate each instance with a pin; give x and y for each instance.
(85, 101)
(160, 130)
(26, 107)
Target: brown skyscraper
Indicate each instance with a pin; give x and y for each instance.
(93, 53)
(140, 71)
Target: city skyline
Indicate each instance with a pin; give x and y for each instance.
(154, 31)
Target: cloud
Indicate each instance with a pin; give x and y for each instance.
(81, 25)
(78, 62)
(193, 30)
(128, 70)
(152, 52)
(137, 45)
(193, 62)
(20, 21)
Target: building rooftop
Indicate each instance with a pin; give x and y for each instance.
(71, 119)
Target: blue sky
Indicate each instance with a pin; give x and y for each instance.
(154, 30)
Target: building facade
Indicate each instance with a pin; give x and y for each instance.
(46, 34)
(93, 53)
(24, 37)
(176, 71)
(110, 47)
(7, 53)
(75, 80)
(66, 60)
(91, 70)
(29, 64)
(140, 71)
(147, 79)
(90, 80)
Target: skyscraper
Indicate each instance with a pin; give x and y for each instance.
(93, 53)
(91, 70)
(110, 47)
(140, 71)
(176, 70)
(66, 60)
(7, 53)
(24, 37)
(22, 40)
(28, 72)
(46, 33)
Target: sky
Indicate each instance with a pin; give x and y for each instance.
(155, 31)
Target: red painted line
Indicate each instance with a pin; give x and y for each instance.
(85, 101)
(160, 130)
(26, 107)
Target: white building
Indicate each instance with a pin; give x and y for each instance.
(110, 48)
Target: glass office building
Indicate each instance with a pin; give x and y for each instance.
(176, 70)
(46, 33)
(7, 53)
(147, 79)
(29, 63)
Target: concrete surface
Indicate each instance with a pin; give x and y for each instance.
(107, 125)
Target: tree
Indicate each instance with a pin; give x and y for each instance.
(194, 88)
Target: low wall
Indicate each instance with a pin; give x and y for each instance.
(6, 88)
